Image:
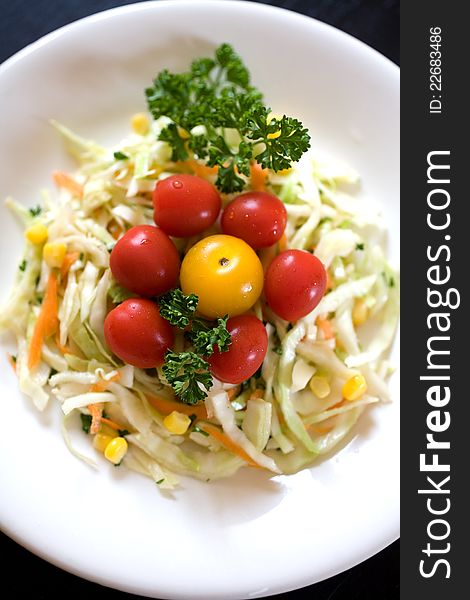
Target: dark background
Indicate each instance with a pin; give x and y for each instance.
(375, 22)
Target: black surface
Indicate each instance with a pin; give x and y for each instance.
(376, 22)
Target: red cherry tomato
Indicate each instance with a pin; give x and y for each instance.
(294, 284)
(246, 352)
(145, 261)
(137, 334)
(258, 218)
(185, 205)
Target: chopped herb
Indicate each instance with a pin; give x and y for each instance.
(205, 337)
(123, 432)
(359, 246)
(187, 372)
(217, 93)
(120, 155)
(35, 211)
(177, 308)
(278, 350)
(325, 220)
(13, 357)
(86, 422)
(22, 266)
(37, 281)
(82, 256)
(39, 298)
(201, 431)
(391, 282)
(53, 372)
(160, 481)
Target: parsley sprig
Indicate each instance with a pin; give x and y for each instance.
(184, 371)
(187, 371)
(217, 95)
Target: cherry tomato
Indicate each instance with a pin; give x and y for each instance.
(258, 218)
(295, 283)
(225, 274)
(136, 332)
(185, 205)
(145, 261)
(246, 352)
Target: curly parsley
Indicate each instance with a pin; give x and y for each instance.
(215, 95)
(186, 372)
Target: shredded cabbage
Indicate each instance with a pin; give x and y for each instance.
(275, 419)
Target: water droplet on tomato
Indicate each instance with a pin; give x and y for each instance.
(177, 184)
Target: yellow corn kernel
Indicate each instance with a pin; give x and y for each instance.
(273, 136)
(177, 422)
(360, 312)
(185, 135)
(320, 386)
(354, 387)
(101, 441)
(36, 234)
(54, 253)
(116, 450)
(140, 123)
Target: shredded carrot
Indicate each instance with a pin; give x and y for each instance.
(61, 347)
(201, 170)
(46, 323)
(165, 406)
(96, 411)
(325, 327)
(258, 177)
(228, 443)
(112, 424)
(232, 392)
(11, 361)
(68, 261)
(66, 181)
(282, 244)
(322, 429)
(258, 393)
(115, 230)
(102, 384)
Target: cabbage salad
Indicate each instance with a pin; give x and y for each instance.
(320, 372)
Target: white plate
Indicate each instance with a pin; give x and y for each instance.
(247, 536)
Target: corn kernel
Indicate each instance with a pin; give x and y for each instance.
(54, 253)
(274, 135)
(284, 171)
(185, 135)
(360, 312)
(177, 423)
(101, 441)
(36, 234)
(140, 123)
(320, 386)
(116, 450)
(354, 388)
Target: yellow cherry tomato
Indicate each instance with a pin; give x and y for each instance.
(225, 273)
